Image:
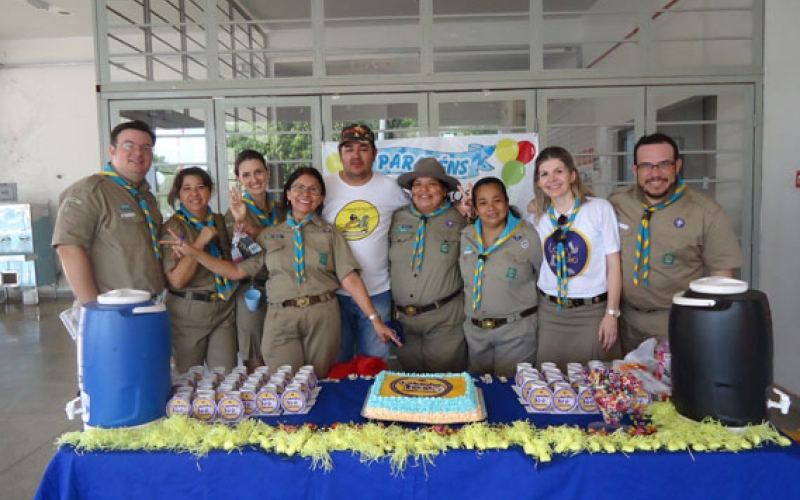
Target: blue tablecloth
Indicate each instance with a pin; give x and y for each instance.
(767, 472)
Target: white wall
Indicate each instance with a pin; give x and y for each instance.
(48, 117)
(780, 229)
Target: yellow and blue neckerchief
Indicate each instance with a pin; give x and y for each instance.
(267, 221)
(224, 287)
(108, 171)
(299, 249)
(560, 236)
(513, 225)
(643, 237)
(419, 240)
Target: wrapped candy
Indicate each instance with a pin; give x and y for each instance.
(615, 393)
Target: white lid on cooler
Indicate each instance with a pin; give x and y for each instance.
(718, 285)
(123, 296)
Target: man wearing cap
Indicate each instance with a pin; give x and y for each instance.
(107, 228)
(427, 287)
(670, 235)
(360, 203)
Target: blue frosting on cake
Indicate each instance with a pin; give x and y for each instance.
(420, 405)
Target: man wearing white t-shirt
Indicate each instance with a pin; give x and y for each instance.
(360, 202)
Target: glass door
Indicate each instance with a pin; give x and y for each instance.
(598, 127)
(713, 126)
(285, 130)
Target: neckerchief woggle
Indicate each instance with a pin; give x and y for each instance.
(643, 237)
(108, 171)
(418, 254)
(299, 249)
(513, 225)
(560, 235)
(251, 205)
(224, 287)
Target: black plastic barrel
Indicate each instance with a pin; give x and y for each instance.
(721, 356)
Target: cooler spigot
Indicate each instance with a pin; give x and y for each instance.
(784, 403)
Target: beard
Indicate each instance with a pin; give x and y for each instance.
(660, 193)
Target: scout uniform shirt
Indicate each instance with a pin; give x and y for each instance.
(439, 276)
(328, 259)
(509, 276)
(203, 279)
(688, 239)
(101, 216)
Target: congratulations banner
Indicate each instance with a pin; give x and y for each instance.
(469, 158)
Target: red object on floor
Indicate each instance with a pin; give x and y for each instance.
(360, 365)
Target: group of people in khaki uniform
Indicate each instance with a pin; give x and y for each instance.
(465, 294)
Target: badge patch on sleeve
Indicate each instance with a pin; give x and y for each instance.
(669, 259)
(444, 247)
(511, 273)
(323, 259)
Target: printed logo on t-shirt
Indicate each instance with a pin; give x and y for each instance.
(357, 220)
(680, 222)
(669, 259)
(578, 251)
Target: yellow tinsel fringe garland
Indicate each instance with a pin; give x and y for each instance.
(377, 441)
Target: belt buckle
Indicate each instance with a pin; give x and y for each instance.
(487, 324)
(410, 310)
(303, 301)
(214, 297)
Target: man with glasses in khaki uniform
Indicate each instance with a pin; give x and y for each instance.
(670, 235)
(106, 233)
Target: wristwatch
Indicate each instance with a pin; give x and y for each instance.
(373, 316)
(616, 313)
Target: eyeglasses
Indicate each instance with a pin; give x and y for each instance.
(131, 146)
(662, 165)
(299, 188)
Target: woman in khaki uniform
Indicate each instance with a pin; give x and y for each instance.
(425, 243)
(500, 257)
(307, 260)
(202, 317)
(252, 211)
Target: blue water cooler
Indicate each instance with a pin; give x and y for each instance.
(124, 348)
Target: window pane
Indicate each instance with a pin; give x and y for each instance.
(586, 35)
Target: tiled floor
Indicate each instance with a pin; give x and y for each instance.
(38, 375)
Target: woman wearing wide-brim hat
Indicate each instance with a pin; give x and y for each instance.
(427, 288)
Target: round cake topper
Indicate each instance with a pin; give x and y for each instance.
(421, 387)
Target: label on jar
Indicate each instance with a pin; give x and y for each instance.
(268, 401)
(248, 400)
(564, 399)
(204, 408)
(230, 409)
(586, 401)
(540, 398)
(179, 405)
(293, 400)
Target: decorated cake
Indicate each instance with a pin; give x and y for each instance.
(435, 398)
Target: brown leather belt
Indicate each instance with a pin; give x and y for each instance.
(603, 297)
(414, 310)
(308, 300)
(492, 323)
(199, 296)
